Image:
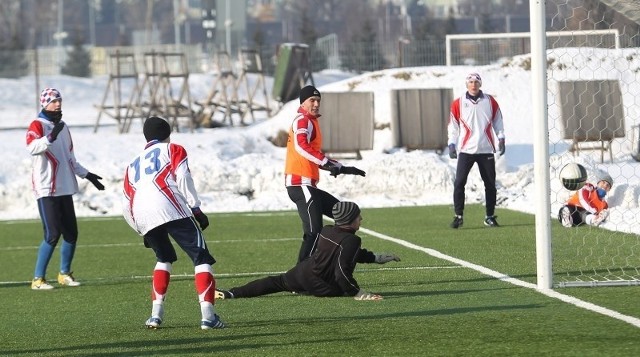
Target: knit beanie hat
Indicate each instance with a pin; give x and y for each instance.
(345, 212)
(156, 128)
(603, 176)
(308, 91)
(473, 77)
(48, 95)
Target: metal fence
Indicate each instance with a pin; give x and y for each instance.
(328, 53)
(356, 57)
(51, 60)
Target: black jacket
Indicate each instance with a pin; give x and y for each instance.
(329, 271)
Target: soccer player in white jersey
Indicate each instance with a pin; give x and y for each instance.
(159, 200)
(475, 122)
(53, 176)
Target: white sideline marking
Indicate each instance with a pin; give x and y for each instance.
(119, 218)
(486, 271)
(235, 275)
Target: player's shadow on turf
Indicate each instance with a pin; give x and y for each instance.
(399, 294)
(502, 225)
(164, 346)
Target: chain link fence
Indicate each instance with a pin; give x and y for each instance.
(328, 53)
(353, 57)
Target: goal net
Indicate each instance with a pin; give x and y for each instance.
(593, 113)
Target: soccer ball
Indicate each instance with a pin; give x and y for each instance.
(573, 176)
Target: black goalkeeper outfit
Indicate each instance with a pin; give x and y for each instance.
(328, 272)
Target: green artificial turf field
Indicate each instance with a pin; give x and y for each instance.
(433, 306)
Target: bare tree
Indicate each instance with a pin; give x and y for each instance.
(10, 24)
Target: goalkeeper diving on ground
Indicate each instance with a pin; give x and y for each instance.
(329, 270)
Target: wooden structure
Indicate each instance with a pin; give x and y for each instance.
(171, 94)
(115, 102)
(147, 103)
(251, 64)
(223, 95)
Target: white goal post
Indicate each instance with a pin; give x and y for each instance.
(585, 256)
(483, 48)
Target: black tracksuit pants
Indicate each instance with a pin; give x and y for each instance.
(298, 279)
(312, 203)
(487, 167)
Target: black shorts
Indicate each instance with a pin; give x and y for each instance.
(186, 233)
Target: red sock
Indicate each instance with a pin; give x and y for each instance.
(161, 279)
(205, 283)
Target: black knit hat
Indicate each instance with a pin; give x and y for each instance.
(156, 128)
(345, 212)
(308, 91)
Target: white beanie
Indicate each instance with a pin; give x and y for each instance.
(473, 77)
(48, 95)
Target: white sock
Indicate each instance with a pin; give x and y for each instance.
(206, 308)
(157, 309)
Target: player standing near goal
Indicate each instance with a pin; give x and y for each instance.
(53, 175)
(159, 200)
(329, 271)
(588, 205)
(473, 121)
(303, 161)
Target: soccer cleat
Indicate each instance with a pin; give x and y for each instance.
(457, 222)
(67, 279)
(490, 221)
(40, 284)
(223, 294)
(564, 216)
(153, 322)
(216, 323)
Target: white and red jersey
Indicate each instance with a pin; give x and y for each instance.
(304, 155)
(587, 198)
(53, 165)
(472, 124)
(158, 187)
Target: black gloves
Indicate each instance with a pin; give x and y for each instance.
(333, 166)
(93, 178)
(336, 169)
(53, 135)
(352, 170)
(452, 151)
(202, 219)
(501, 147)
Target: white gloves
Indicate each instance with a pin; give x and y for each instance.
(382, 258)
(600, 217)
(363, 295)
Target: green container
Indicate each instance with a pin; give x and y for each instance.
(291, 69)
